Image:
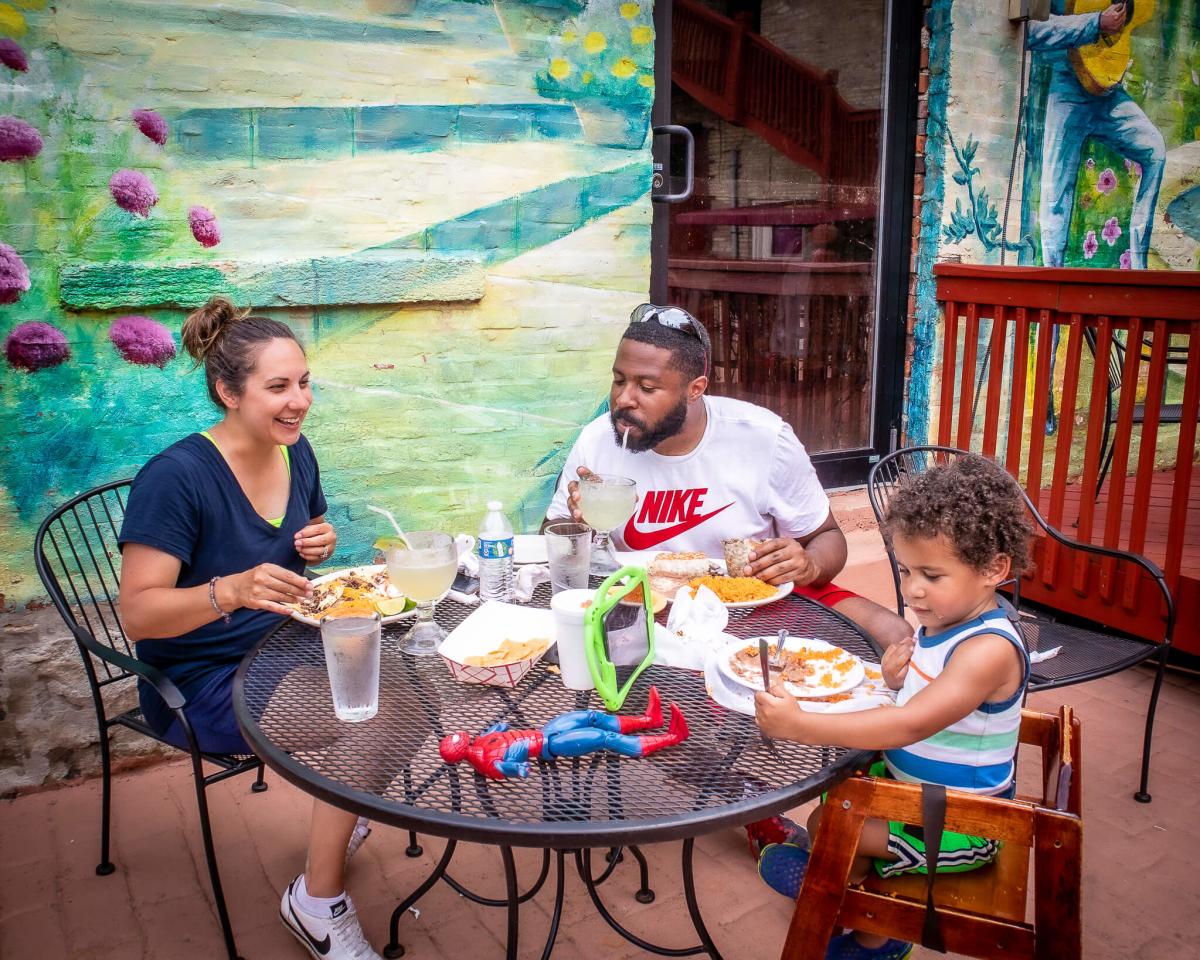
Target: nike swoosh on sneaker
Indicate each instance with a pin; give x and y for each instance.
(636, 539)
(293, 921)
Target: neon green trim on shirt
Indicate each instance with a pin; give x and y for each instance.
(287, 459)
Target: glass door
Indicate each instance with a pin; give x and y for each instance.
(779, 249)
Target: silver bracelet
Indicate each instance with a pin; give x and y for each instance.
(212, 598)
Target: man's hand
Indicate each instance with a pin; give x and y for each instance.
(779, 561)
(573, 495)
(778, 714)
(1112, 19)
(895, 662)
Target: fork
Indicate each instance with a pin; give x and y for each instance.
(783, 636)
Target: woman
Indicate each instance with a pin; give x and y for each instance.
(217, 531)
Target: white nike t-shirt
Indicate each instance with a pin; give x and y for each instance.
(748, 477)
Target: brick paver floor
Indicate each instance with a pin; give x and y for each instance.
(1141, 897)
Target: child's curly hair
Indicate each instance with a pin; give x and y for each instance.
(974, 503)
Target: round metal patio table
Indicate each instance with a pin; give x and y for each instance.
(388, 768)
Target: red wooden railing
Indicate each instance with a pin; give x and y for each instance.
(1150, 503)
(749, 81)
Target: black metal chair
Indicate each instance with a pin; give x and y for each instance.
(1168, 412)
(1085, 654)
(76, 555)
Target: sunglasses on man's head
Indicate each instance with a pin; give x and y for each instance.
(677, 319)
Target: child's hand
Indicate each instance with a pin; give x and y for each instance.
(895, 662)
(777, 713)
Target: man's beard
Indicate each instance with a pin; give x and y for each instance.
(650, 438)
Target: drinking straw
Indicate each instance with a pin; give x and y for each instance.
(395, 526)
(625, 439)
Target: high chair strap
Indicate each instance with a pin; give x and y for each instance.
(933, 813)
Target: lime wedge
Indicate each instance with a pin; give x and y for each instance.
(390, 606)
(390, 542)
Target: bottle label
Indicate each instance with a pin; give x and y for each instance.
(495, 549)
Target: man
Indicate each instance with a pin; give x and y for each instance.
(708, 468)
(1075, 112)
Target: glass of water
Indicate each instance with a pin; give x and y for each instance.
(424, 571)
(352, 657)
(569, 550)
(606, 502)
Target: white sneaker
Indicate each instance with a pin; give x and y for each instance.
(336, 937)
(362, 830)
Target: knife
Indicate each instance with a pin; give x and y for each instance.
(764, 660)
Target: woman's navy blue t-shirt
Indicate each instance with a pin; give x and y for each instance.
(187, 502)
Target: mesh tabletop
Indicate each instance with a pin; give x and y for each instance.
(388, 768)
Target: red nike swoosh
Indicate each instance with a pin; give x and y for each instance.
(636, 539)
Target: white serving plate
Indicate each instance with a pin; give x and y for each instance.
(365, 571)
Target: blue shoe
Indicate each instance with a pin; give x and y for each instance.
(782, 866)
(846, 947)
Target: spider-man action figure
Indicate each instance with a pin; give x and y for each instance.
(499, 752)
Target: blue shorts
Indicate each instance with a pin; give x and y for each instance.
(210, 712)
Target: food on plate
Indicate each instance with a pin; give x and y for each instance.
(509, 651)
(353, 593)
(805, 673)
(737, 553)
(670, 571)
(634, 598)
(734, 589)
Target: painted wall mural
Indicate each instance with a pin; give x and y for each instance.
(447, 199)
(1102, 171)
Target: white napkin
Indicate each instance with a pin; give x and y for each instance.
(695, 628)
(1039, 655)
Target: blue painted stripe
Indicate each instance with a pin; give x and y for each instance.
(287, 133)
(960, 775)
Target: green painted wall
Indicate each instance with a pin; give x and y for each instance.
(452, 218)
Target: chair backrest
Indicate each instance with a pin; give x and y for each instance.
(1116, 356)
(76, 555)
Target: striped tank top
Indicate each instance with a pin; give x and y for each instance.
(976, 753)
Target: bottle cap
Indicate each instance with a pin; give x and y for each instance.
(494, 505)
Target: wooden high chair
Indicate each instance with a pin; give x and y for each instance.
(981, 913)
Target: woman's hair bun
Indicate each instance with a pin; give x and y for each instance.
(204, 327)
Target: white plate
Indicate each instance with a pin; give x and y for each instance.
(365, 571)
(842, 680)
(529, 548)
(643, 558)
(741, 699)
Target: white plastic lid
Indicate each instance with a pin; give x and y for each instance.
(494, 505)
(572, 605)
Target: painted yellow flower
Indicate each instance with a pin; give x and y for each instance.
(624, 68)
(595, 42)
(570, 36)
(646, 80)
(587, 76)
(630, 10)
(641, 35)
(559, 68)
(12, 24)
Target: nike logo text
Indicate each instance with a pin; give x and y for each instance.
(678, 507)
(320, 946)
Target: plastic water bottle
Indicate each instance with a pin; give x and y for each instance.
(495, 545)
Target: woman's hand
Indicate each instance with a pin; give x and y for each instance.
(265, 587)
(778, 714)
(895, 662)
(316, 542)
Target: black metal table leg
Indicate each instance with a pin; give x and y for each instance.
(644, 893)
(514, 904)
(394, 948)
(689, 892)
(556, 916)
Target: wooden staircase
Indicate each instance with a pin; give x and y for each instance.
(748, 81)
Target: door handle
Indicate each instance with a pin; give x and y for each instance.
(661, 175)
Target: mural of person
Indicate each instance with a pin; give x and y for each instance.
(1080, 105)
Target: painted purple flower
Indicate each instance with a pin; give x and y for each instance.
(1091, 163)
(142, 340)
(34, 346)
(133, 191)
(18, 140)
(12, 56)
(14, 275)
(204, 225)
(1134, 168)
(1111, 230)
(1090, 245)
(1127, 260)
(1107, 182)
(151, 124)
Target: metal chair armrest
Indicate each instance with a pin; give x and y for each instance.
(162, 684)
